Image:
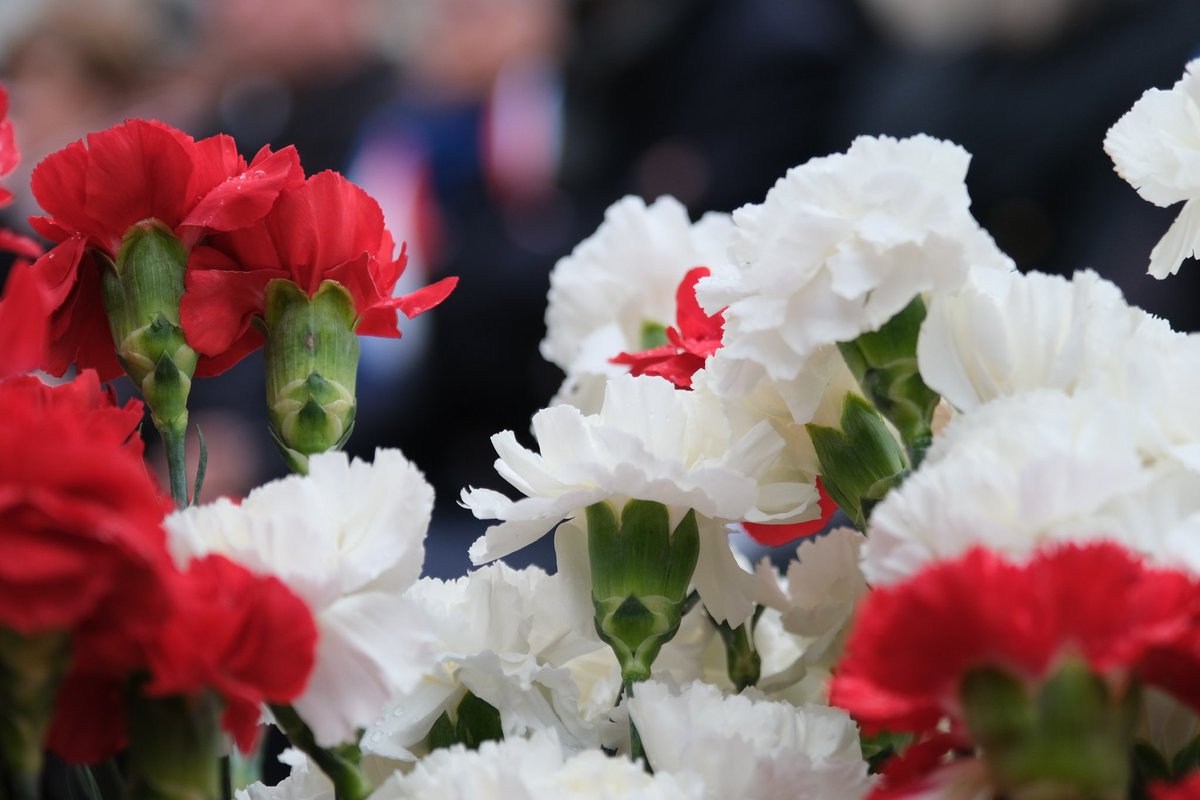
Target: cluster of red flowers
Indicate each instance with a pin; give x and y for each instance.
(86, 556)
(244, 225)
(915, 645)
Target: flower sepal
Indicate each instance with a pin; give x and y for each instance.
(175, 745)
(641, 570)
(1070, 737)
(311, 362)
(31, 667)
(861, 461)
(142, 291)
(884, 362)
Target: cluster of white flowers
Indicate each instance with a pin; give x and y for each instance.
(1071, 418)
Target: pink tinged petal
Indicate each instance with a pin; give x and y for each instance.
(1181, 241)
(137, 171)
(9, 154)
(59, 269)
(244, 198)
(24, 321)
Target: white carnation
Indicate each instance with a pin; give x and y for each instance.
(509, 637)
(841, 245)
(1024, 470)
(750, 749)
(348, 538)
(1155, 146)
(305, 782)
(1010, 333)
(819, 596)
(624, 275)
(648, 442)
(534, 769)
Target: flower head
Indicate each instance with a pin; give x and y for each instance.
(1155, 146)
(913, 644)
(648, 442)
(620, 286)
(747, 748)
(323, 229)
(841, 245)
(349, 540)
(94, 193)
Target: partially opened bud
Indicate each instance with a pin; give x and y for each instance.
(312, 363)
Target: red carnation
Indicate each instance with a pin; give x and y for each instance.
(325, 229)
(695, 337)
(913, 643)
(244, 636)
(79, 515)
(136, 171)
(247, 638)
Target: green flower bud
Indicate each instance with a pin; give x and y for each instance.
(141, 297)
(640, 576)
(1069, 738)
(885, 364)
(312, 364)
(860, 462)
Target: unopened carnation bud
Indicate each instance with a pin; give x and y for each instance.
(312, 363)
(141, 297)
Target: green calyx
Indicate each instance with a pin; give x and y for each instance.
(474, 722)
(142, 291)
(641, 570)
(31, 667)
(175, 744)
(1069, 738)
(884, 362)
(860, 461)
(312, 365)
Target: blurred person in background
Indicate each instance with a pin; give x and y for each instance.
(1030, 88)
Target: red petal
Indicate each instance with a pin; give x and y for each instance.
(423, 299)
(242, 199)
(136, 171)
(219, 305)
(24, 321)
(59, 184)
(19, 245)
(778, 535)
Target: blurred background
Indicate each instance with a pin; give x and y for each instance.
(494, 133)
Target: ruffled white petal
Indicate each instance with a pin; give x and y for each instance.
(349, 540)
(750, 749)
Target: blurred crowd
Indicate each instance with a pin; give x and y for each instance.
(494, 133)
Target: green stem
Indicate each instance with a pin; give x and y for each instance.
(340, 765)
(173, 439)
(636, 751)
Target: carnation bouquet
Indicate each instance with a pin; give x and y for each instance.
(1009, 609)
